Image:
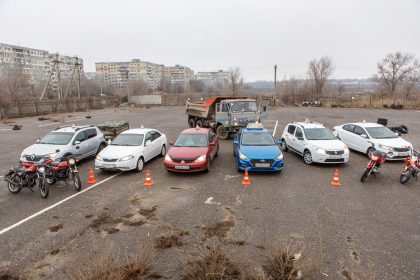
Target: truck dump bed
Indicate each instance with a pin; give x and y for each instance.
(206, 109)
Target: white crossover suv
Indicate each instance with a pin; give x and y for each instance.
(314, 142)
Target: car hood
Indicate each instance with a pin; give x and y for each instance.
(118, 152)
(42, 149)
(328, 144)
(266, 152)
(394, 142)
(187, 152)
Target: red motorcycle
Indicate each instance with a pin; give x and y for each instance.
(25, 176)
(64, 169)
(377, 158)
(411, 168)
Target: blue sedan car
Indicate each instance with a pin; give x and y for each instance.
(255, 149)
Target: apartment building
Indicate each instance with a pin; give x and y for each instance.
(178, 75)
(212, 78)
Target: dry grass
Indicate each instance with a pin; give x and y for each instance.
(10, 274)
(148, 213)
(219, 229)
(103, 219)
(107, 267)
(169, 241)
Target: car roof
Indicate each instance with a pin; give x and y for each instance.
(137, 131)
(309, 124)
(199, 130)
(72, 128)
(253, 130)
(366, 124)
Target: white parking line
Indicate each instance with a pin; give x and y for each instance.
(56, 204)
(275, 128)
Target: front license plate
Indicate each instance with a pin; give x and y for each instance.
(403, 154)
(109, 165)
(262, 165)
(335, 157)
(182, 167)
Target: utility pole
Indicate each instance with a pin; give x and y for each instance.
(77, 67)
(275, 78)
(55, 66)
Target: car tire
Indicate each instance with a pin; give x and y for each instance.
(100, 148)
(284, 147)
(140, 164)
(403, 128)
(369, 151)
(191, 122)
(222, 132)
(307, 157)
(208, 166)
(163, 151)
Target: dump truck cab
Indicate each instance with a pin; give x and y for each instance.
(225, 115)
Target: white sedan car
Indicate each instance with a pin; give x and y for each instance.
(366, 137)
(132, 149)
(314, 142)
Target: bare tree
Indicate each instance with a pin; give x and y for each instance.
(235, 81)
(394, 70)
(340, 89)
(16, 84)
(411, 84)
(319, 71)
(137, 87)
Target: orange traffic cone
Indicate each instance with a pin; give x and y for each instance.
(148, 182)
(336, 181)
(246, 180)
(92, 179)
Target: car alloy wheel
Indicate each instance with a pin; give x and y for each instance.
(307, 157)
(163, 151)
(140, 165)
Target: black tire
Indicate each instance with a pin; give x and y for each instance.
(369, 151)
(208, 166)
(77, 182)
(307, 157)
(44, 188)
(199, 123)
(100, 148)
(365, 175)
(14, 188)
(217, 151)
(140, 164)
(283, 146)
(163, 151)
(222, 132)
(405, 177)
(51, 181)
(403, 128)
(191, 122)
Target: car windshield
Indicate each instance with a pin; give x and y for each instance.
(319, 134)
(57, 138)
(244, 106)
(257, 139)
(128, 140)
(191, 140)
(381, 132)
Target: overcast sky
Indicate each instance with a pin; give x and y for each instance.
(208, 35)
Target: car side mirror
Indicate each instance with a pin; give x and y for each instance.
(148, 142)
(364, 135)
(109, 141)
(171, 143)
(76, 142)
(279, 142)
(38, 140)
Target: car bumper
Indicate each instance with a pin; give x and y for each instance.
(186, 167)
(395, 155)
(333, 159)
(116, 166)
(247, 165)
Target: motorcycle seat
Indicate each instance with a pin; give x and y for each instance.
(54, 163)
(19, 169)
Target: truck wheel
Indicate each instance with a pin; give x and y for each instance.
(199, 123)
(191, 122)
(222, 132)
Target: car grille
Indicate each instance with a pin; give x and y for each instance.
(254, 161)
(110, 159)
(335, 152)
(36, 158)
(186, 160)
(401, 149)
(334, 160)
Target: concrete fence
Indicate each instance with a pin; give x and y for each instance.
(37, 108)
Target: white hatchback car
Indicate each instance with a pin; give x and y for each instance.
(314, 142)
(131, 149)
(366, 137)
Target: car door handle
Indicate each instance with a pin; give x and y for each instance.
(77, 147)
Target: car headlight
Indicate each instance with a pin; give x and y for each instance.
(168, 158)
(279, 157)
(99, 157)
(346, 150)
(320, 150)
(72, 161)
(201, 158)
(242, 156)
(387, 148)
(126, 158)
(52, 155)
(41, 169)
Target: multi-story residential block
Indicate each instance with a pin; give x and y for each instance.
(212, 78)
(179, 75)
(90, 75)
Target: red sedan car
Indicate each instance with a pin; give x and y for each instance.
(193, 151)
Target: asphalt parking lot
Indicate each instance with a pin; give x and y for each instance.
(359, 226)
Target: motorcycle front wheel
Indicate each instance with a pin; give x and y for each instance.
(365, 175)
(405, 176)
(44, 188)
(77, 182)
(13, 187)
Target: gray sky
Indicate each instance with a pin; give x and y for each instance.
(209, 35)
